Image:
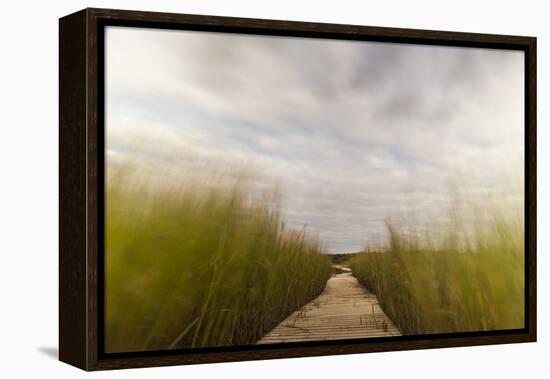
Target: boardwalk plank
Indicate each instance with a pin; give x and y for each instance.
(344, 310)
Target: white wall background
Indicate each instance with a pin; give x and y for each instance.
(29, 183)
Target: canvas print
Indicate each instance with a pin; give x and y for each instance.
(266, 190)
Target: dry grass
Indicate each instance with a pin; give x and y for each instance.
(451, 283)
(198, 266)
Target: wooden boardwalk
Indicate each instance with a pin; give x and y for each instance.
(344, 310)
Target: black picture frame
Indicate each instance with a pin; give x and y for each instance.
(81, 186)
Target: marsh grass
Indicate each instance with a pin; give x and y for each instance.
(459, 281)
(199, 266)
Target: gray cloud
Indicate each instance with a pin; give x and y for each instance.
(352, 132)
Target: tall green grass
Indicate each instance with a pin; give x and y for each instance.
(455, 282)
(199, 266)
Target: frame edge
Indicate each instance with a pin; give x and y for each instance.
(531, 176)
(72, 190)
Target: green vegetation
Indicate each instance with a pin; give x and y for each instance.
(452, 283)
(199, 267)
(341, 259)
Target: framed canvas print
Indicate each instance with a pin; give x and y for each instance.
(238, 189)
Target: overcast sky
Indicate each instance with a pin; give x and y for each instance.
(351, 133)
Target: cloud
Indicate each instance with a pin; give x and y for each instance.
(353, 132)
